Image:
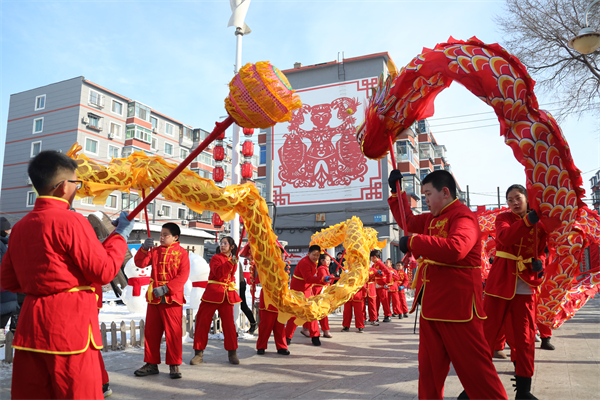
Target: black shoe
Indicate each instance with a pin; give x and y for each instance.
(387, 319)
(106, 390)
(283, 352)
(400, 316)
(316, 341)
(174, 372)
(405, 315)
(288, 340)
(361, 330)
(260, 352)
(546, 345)
(345, 329)
(394, 315)
(463, 396)
(147, 369)
(523, 388)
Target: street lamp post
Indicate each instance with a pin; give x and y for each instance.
(588, 40)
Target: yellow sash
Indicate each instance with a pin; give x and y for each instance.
(520, 260)
(80, 289)
(230, 285)
(297, 277)
(422, 261)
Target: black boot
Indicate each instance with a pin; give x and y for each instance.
(546, 345)
(316, 341)
(523, 388)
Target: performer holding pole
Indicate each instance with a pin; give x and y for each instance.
(449, 252)
(512, 285)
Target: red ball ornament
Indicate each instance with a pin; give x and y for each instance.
(248, 148)
(248, 131)
(217, 221)
(247, 171)
(218, 174)
(219, 153)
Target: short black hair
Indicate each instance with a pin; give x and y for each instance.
(375, 253)
(323, 256)
(519, 188)
(441, 179)
(314, 247)
(173, 228)
(44, 168)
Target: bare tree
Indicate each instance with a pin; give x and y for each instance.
(537, 32)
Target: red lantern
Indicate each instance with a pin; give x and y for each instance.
(247, 170)
(218, 174)
(219, 153)
(248, 131)
(248, 149)
(217, 221)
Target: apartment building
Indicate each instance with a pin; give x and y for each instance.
(107, 125)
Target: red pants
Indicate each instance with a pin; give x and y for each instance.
(163, 318)
(399, 302)
(545, 330)
(518, 317)
(324, 324)
(382, 298)
(371, 304)
(268, 323)
(462, 344)
(103, 369)
(52, 376)
(359, 314)
(290, 328)
(204, 320)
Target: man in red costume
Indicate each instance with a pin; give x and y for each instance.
(305, 275)
(170, 270)
(383, 277)
(449, 249)
(106, 390)
(511, 286)
(400, 307)
(371, 297)
(54, 258)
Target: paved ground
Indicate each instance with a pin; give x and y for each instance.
(378, 364)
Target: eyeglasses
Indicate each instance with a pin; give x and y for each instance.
(78, 183)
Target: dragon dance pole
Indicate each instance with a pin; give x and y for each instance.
(220, 127)
(146, 213)
(400, 205)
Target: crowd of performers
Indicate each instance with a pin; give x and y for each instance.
(56, 260)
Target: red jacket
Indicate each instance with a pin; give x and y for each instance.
(53, 256)
(370, 290)
(305, 275)
(221, 281)
(170, 266)
(322, 272)
(514, 235)
(386, 278)
(448, 283)
(399, 278)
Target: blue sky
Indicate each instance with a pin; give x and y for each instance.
(178, 56)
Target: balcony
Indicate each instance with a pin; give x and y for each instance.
(411, 185)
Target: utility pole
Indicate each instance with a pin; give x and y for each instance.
(498, 196)
(468, 198)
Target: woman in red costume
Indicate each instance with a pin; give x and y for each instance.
(512, 284)
(220, 295)
(322, 272)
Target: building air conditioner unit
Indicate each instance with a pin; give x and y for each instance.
(111, 135)
(28, 181)
(160, 213)
(184, 222)
(99, 128)
(85, 120)
(155, 130)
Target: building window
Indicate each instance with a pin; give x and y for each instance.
(40, 102)
(88, 201)
(96, 98)
(154, 123)
(169, 149)
(117, 107)
(263, 155)
(111, 201)
(31, 199)
(91, 146)
(183, 153)
(437, 167)
(36, 147)
(424, 204)
(94, 121)
(206, 158)
(169, 129)
(154, 144)
(187, 133)
(181, 213)
(38, 125)
(115, 130)
(137, 132)
(113, 152)
(166, 211)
